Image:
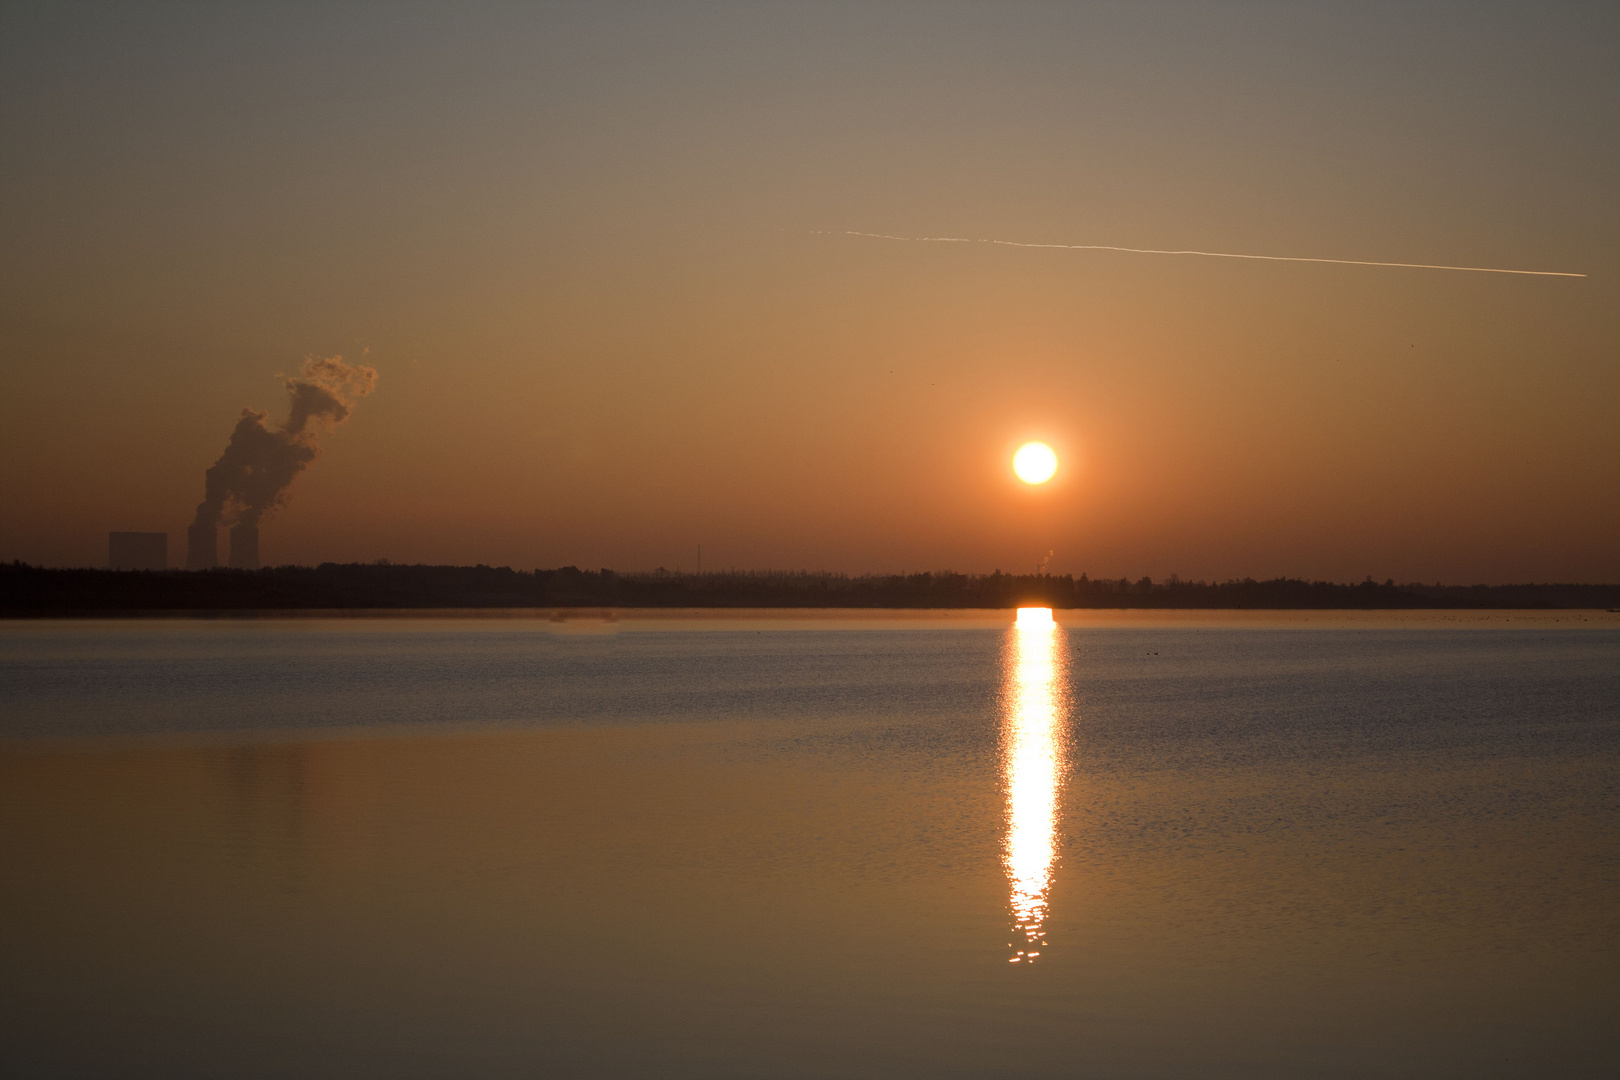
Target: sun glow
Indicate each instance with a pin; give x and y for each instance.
(1032, 740)
(1035, 463)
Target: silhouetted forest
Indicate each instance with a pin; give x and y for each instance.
(29, 590)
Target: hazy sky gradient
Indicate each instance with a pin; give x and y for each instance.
(585, 247)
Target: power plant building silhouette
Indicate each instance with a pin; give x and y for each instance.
(202, 547)
(137, 551)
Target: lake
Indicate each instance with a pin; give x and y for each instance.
(812, 845)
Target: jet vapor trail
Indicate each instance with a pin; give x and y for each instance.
(1210, 254)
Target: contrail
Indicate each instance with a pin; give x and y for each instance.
(1210, 254)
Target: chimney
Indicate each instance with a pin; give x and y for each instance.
(202, 547)
(245, 547)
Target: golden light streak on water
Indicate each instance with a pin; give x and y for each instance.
(1034, 691)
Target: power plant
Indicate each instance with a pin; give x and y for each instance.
(202, 547)
(260, 462)
(137, 551)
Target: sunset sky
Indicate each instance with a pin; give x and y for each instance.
(596, 254)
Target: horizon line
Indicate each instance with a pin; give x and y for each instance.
(1170, 580)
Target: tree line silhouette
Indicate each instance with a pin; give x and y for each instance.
(30, 590)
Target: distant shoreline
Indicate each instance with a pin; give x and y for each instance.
(333, 590)
(594, 622)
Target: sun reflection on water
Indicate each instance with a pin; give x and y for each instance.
(1032, 741)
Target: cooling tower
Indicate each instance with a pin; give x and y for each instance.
(137, 551)
(245, 547)
(202, 547)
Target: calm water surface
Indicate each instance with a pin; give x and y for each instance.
(803, 848)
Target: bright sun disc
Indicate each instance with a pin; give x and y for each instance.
(1035, 463)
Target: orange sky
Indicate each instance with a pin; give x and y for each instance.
(582, 249)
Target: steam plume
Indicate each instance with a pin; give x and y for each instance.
(1209, 254)
(253, 473)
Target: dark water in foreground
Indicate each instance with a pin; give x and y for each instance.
(447, 848)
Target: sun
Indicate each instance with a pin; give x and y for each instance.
(1035, 463)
